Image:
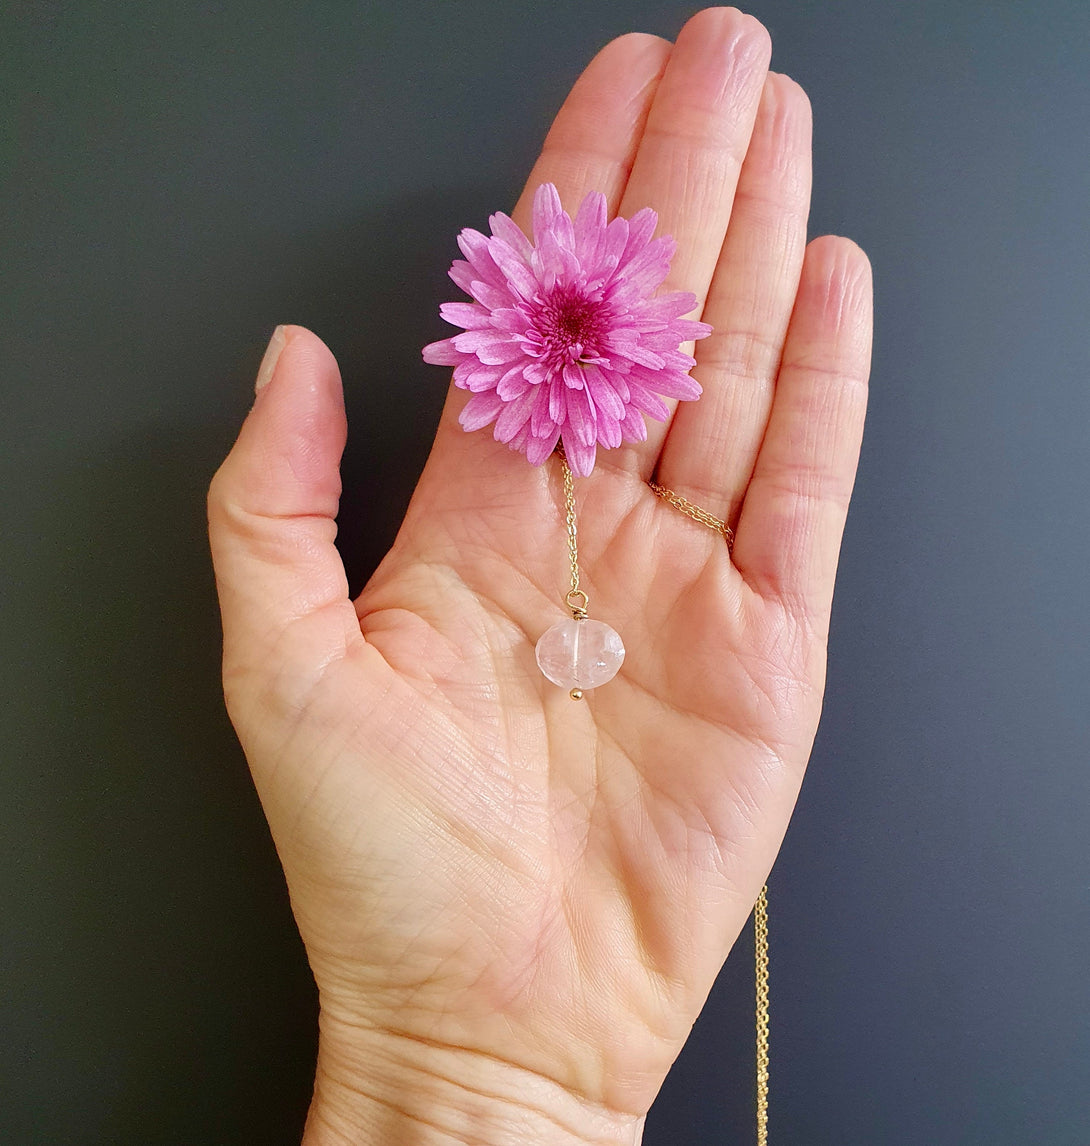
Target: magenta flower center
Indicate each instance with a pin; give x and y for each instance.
(568, 327)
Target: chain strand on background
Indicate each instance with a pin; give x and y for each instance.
(760, 958)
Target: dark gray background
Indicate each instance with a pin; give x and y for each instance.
(178, 181)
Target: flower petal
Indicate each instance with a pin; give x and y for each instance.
(518, 274)
(493, 297)
(469, 315)
(651, 404)
(548, 261)
(673, 304)
(539, 448)
(678, 360)
(480, 410)
(504, 227)
(640, 229)
(541, 419)
(634, 352)
(580, 456)
(609, 430)
(513, 417)
(665, 342)
(671, 383)
(610, 249)
(590, 226)
(513, 384)
(511, 319)
(573, 377)
(564, 233)
(521, 439)
(581, 416)
(556, 401)
(602, 394)
(643, 273)
(442, 353)
(633, 427)
(474, 246)
(463, 275)
(689, 328)
(547, 208)
(470, 374)
(493, 347)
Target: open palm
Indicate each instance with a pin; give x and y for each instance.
(509, 897)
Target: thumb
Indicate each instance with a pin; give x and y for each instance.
(272, 507)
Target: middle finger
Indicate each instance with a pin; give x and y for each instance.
(689, 158)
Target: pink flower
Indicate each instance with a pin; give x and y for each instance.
(563, 339)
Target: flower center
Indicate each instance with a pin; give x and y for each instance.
(569, 326)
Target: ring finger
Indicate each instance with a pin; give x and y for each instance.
(712, 444)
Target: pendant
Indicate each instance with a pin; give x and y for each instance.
(578, 653)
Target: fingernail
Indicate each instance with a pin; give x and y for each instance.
(272, 355)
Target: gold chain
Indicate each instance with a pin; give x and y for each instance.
(694, 511)
(760, 959)
(578, 601)
(760, 908)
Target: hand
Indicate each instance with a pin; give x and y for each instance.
(514, 904)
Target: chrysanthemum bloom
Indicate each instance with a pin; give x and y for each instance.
(563, 340)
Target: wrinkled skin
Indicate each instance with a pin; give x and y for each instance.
(515, 904)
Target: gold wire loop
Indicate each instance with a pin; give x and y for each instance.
(578, 610)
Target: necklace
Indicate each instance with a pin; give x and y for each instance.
(564, 348)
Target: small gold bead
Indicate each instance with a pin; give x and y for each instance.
(576, 694)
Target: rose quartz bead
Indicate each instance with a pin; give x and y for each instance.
(580, 653)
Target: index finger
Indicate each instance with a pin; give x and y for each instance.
(592, 143)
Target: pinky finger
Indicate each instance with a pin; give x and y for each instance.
(792, 520)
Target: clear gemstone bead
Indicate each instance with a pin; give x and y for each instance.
(580, 653)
